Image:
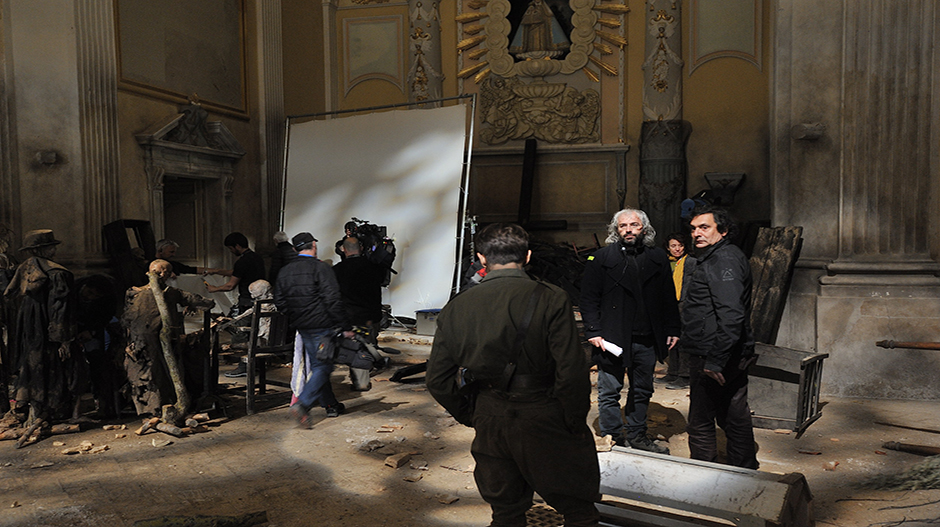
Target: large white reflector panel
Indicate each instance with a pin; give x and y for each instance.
(401, 169)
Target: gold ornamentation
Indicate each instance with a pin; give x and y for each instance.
(477, 53)
(612, 38)
(471, 42)
(662, 16)
(610, 70)
(591, 74)
(504, 64)
(482, 75)
(552, 112)
(470, 17)
(466, 72)
(539, 61)
(613, 9)
(603, 48)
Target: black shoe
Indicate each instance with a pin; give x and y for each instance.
(240, 371)
(666, 379)
(643, 442)
(679, 384)
(301, 415)
(335, 409)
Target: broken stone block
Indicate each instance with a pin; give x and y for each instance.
(398, 460)
(603, 444)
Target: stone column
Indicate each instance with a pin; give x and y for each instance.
(330, 83)
(663, 165)
(9, 195)
(272, 114)
(61, 96)
(424, 53)
(97, 87)
(856, 124)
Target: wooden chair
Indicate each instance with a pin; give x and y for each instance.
(280, 344)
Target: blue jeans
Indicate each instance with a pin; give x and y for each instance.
(317, 387)
(639, 372)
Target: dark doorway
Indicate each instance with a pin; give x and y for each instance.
(184, 218)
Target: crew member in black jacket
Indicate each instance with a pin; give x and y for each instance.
(307, 291)
(628, 300)
(716, 332)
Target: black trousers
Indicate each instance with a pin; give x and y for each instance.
(677, 363)
(711, 403)
(525, 447)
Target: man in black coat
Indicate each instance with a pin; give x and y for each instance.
(716, 333)
(631, 317)
(360, 284)
(307, 291)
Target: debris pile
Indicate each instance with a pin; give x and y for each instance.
(923, 476)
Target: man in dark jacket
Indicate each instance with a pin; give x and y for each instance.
(530, 420)
(283, 253)
(248, 268)
(716, 333)
(360, 284)
(631, 316)
(307, 291)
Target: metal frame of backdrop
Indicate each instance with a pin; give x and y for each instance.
(464, 177)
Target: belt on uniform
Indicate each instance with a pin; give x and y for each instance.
(527, 383)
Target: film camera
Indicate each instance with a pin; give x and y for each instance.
(376, 245)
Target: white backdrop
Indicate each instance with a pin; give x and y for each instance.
(401, 169)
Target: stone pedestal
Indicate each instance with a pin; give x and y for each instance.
(855, 311)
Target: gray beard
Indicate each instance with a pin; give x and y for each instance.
(631, 246)
(637, 241)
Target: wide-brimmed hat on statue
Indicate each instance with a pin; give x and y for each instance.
(39, 238)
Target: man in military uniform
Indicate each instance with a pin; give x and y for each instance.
(517, 338)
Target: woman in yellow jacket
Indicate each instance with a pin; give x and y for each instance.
(677, 374)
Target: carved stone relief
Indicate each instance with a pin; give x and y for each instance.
(539, 39)
(662, 90)
(552, 112)
(190, 146)
(425, 81)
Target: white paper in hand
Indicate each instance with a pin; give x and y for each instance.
(613, 348)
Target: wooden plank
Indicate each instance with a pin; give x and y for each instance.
(775, 253)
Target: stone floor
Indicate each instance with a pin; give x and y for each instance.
(327, 476)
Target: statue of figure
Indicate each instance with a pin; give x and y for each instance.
(539, 35)
(147, 370)
(41, 299)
